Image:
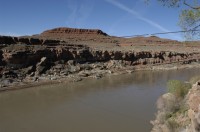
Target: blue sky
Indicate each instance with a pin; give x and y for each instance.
(115, 17)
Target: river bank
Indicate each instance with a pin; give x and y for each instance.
(179, 110)
(96, 73)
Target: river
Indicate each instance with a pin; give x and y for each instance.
(122, 103)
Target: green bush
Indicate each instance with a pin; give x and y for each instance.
(194, 79)
(178, 88)
(172, 124)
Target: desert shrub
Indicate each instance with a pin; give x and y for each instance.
(173, 119)
(172, 124)
(194, 79)
(178, 88)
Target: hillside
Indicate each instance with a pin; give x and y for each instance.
(79, 53)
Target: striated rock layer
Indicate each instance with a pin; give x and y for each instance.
(7, 40)
(29, 55)
(73, 31)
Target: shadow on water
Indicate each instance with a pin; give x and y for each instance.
(122, 103)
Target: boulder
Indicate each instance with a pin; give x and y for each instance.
(29, 70)
(71, 62)
(42, 66)
(167, 102)
(9, 74)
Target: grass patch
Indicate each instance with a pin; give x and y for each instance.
(178, 88)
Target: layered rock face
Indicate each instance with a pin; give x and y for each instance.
(21, 61)
(6, 40)
(73, 31)
(31, 55)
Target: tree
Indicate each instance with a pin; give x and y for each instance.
(189, 18)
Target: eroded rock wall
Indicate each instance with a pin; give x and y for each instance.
(29, 56)
(7, 40)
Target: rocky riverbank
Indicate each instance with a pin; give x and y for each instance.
(179, 114)
(27, 66)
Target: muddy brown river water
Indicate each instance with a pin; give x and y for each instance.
(122, 103)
